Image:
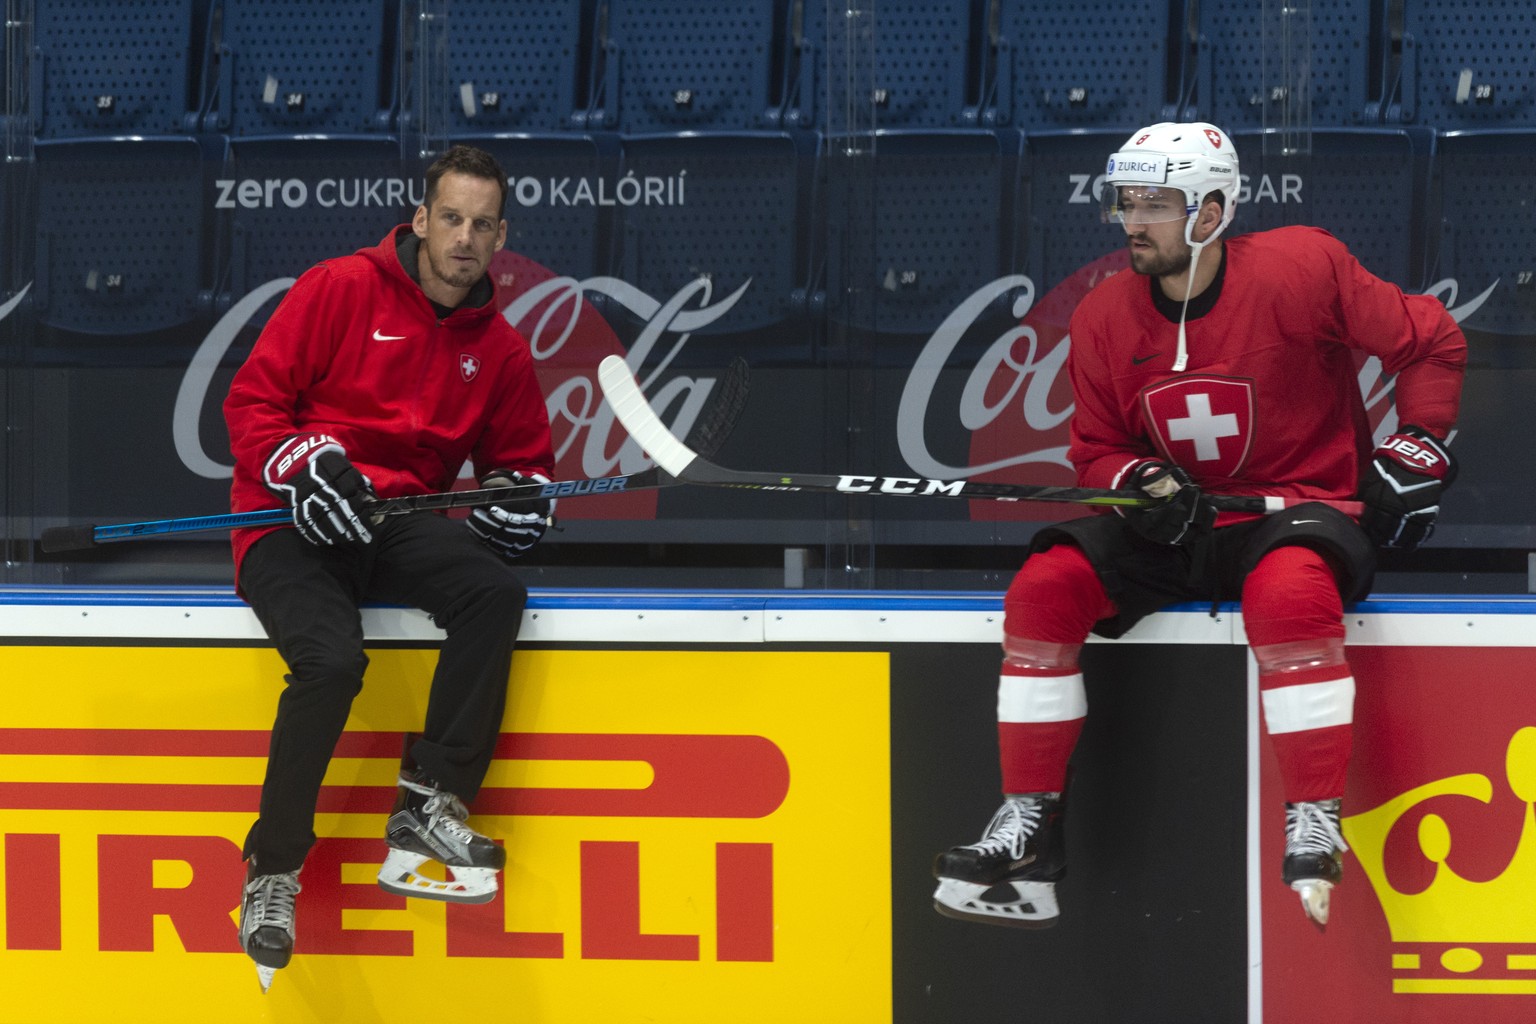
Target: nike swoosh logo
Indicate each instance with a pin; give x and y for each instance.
(1138, 361)
(1302, 522)
(381, 336)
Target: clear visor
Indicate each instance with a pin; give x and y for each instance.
(1143, 204)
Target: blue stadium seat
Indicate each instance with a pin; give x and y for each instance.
(1485, 194)
(1334, 49)
(1061, 229)
(125, 68)
(1064, 64)
(291, 203)
(510, 67)
(553, 212)
(1367, 186)
(940, 230)
(296, 67)
(120, 235)
(926, 66)
(1468, 64)
(686, 65)
(722, 206)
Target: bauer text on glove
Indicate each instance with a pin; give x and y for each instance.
(1401, 488)
(325, 491)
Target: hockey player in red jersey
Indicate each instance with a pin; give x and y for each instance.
(1222, 365)
(383, 372)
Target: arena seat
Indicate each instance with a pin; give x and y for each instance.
(289, 67)
(509, 67)
(1368, 186)
(1467, 64)
(291, 202)
(120, 235)
(1063, 64)
(938, 230)
(919, 66)
(727, 207)
(686, 65)
(1484, 184)
(82, 85)
(1061, 228)
(1276, 64)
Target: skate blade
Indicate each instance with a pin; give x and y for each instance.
(264, 977)
(464, 884)
(1314, 893)
(1033, 906)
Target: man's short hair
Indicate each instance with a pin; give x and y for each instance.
(470, 160)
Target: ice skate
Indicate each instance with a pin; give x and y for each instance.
(267, 921)
(1009, 877)
(427, 823)
(1313, 845)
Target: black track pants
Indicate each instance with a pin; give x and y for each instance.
(307, 599)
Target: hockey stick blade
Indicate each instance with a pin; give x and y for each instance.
(714, 425)
(689, 466)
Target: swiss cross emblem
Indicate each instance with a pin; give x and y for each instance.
(1214, 136)
(468, 366)
(1204, 424)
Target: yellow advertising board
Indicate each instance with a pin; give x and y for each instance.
(691, 836)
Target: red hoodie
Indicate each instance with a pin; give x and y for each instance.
(355, 350)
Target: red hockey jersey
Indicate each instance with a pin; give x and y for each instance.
(1270, 401)
(355, 350)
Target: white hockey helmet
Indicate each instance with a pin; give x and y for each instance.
(1195, 158)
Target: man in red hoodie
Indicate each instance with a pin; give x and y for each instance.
(381, 373)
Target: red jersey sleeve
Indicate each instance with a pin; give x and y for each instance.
(1413, 336)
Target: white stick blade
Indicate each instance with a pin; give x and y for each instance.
(629, 405)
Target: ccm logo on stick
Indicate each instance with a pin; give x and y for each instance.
(898, 485)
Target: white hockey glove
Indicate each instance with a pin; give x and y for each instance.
(1401, 488)
(512, 533)
(312, 474)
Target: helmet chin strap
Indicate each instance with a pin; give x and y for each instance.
(1181, 358)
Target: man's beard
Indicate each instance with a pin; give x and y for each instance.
(449, 274)
(1161, 264)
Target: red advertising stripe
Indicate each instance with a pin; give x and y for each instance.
(693, 776)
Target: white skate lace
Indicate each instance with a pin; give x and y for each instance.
(447, 812)
(272, 900)
(1010, 828)
(1313, 828)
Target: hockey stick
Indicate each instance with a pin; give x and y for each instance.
(709, 432)
(691, 467)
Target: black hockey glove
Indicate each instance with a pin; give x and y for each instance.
(512, 533)
(1185, 511)
(1401, 488)
(312, 474)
